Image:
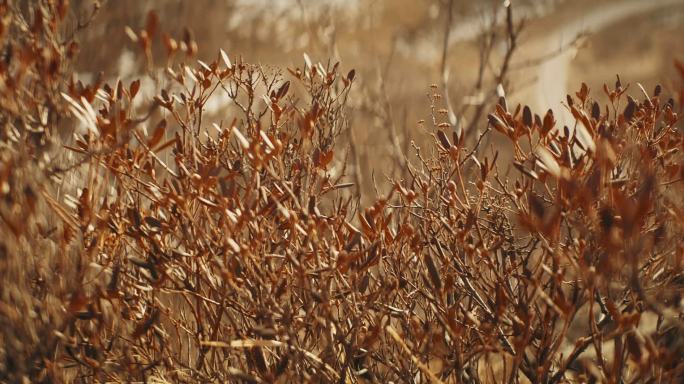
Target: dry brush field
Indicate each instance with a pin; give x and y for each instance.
(208, 220)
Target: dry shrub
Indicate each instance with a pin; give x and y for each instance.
(158, 246)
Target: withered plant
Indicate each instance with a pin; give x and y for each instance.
(142, 241)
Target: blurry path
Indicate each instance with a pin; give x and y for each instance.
(552, 75)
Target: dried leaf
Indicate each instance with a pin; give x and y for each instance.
(226, 59)
(549, 162)
(629, 109)
(527, 117)
(307, 62)
(351, 75)
(134, 88)
(158, 134)
(282, 91)
(443, 139)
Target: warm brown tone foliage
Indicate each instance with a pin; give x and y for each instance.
(156, 246)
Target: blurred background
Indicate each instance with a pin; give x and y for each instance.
(473, 50)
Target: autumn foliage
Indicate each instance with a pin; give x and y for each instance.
(141, 241)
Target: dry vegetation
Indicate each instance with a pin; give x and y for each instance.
(141, 241)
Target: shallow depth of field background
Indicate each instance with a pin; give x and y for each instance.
(396, 48)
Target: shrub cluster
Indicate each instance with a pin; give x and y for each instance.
(142, 242)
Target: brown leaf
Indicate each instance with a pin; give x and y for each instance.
(549, 122)
(433, 272)
(135, 87)
(503, 103)
(530, 173)
(151, 23)
(527, 117)
(443, 139)
(158, 134)
(629, 109)
(351, 75)
(583, 93)
(152, 222)
(282, 91)
(595, 111)
(498, 124)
